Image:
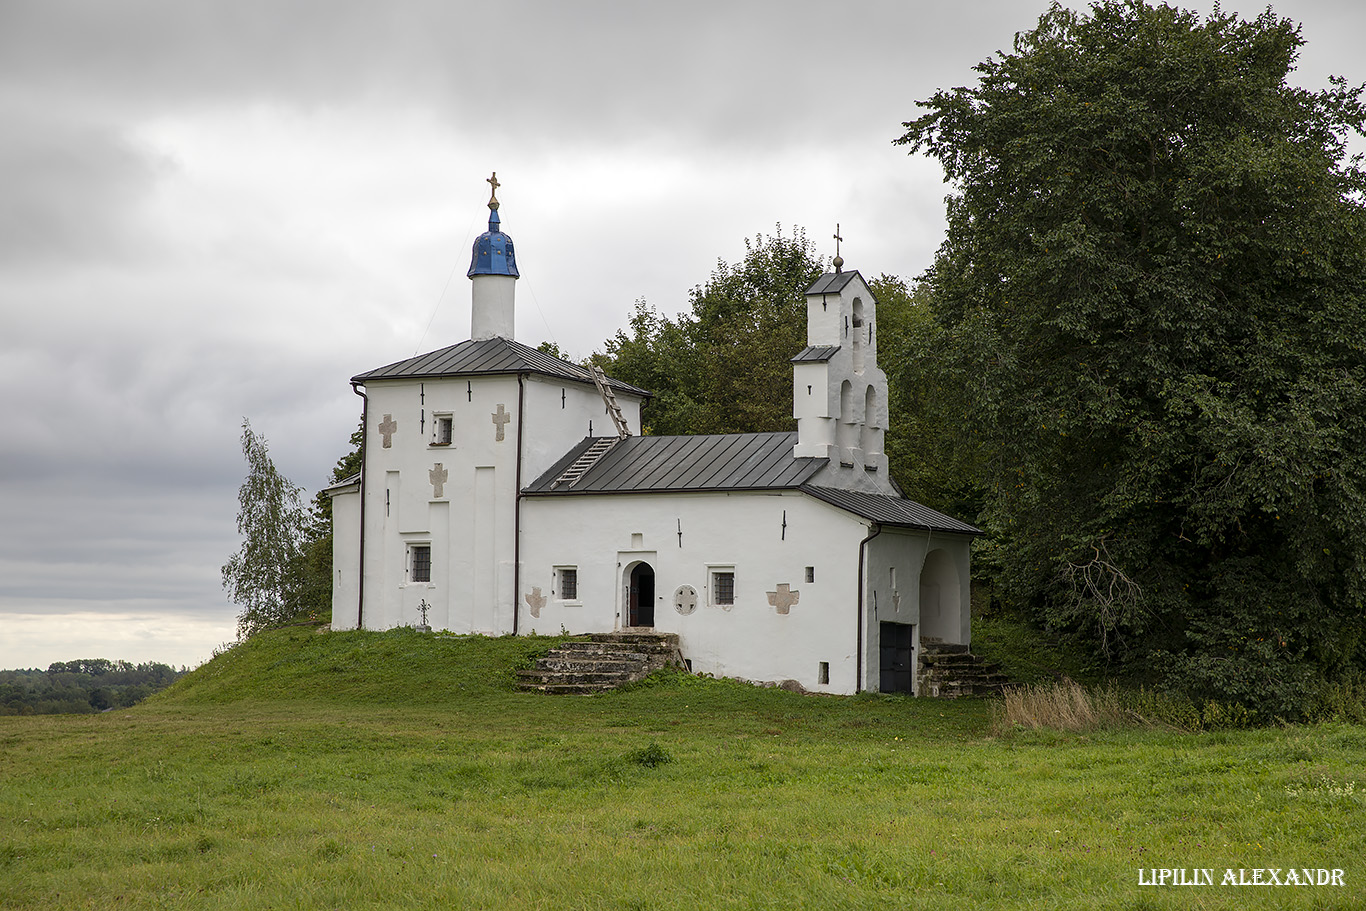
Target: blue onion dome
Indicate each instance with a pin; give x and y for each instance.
(493, 253)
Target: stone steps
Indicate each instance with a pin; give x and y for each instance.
(601, 662)
(949, 671)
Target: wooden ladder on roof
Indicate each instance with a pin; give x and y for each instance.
(613, 409)
(585, 461)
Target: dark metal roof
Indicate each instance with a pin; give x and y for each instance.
(886, 510)
(743, 461)
(353, 481)
(489, 356)
(816, 353)
(832, 282)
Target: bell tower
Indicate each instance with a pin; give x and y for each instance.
(839, 394)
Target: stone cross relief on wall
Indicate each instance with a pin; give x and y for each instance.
(535, 600)
(784, 597)
(500, 419)
(438, 476)
(387, 427)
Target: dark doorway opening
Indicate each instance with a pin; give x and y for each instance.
(642, 595)
(898, 659)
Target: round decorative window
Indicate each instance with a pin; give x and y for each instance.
(685, 599)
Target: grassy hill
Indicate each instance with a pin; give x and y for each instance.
(399, 770)
(392, 668)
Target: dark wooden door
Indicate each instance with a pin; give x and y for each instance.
(643, 595)
(898, 661)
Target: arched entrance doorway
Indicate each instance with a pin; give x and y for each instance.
(642, 595)
(941, 599)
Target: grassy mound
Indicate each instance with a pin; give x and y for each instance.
(442, 673)
(396, 667)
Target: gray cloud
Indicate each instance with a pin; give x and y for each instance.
(72, 190)
(699, 73)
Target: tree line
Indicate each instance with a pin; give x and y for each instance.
(82, 686)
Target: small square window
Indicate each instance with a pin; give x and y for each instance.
(442, 429)
(420, 563)
(568, 583)
(723, 587)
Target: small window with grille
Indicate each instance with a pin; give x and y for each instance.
(442, 429)
(723, 587)
(420, 563)
(567, 583)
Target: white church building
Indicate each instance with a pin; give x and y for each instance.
(507, 491)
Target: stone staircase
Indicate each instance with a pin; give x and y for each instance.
(951, 671)
(604, 661)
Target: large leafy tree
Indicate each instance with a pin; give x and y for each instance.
(725, 367)
(1154, 286)
(932, 452)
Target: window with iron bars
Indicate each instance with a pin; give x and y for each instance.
(569, 583)
(420, 560)
(723, 587)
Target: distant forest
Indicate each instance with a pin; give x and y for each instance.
(82, 686)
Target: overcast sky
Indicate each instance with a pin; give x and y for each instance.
(211, 211)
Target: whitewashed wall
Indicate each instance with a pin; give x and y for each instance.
(470, 526)
(603, 536)
(470, 529)
(560, 414)
(345, 557)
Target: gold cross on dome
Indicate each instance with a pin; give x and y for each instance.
(493, 192)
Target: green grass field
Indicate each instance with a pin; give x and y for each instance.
(396, 770)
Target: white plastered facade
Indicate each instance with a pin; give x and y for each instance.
(772, 542)
(814, 584)
(470, 527)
